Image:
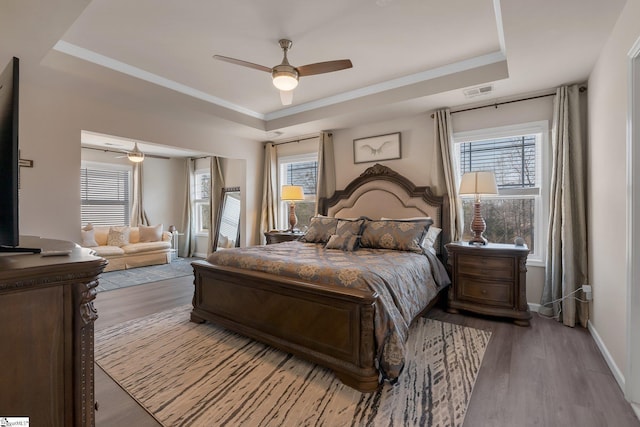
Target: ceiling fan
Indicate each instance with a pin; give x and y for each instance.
(285, 76)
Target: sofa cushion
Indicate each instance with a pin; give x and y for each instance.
(108, 251)
(135, 248)
(150, 233)
(118, 236)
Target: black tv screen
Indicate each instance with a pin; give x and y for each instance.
(9, 79)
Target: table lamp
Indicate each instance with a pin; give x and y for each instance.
(292, 194)
(478, 183)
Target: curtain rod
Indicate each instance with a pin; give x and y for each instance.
(495, 104)
(296, 140)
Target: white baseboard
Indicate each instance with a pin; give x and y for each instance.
(533, 307)
(199, 255)
(617, 373)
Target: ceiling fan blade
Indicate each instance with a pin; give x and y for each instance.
(324, 67)
(243, 63)
(286, 96)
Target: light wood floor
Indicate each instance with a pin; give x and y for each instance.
(544, 375)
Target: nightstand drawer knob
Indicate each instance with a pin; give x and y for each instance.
(483, 292)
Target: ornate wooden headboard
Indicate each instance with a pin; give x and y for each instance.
(382, 192)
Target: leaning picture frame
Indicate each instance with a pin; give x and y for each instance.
(376, 148)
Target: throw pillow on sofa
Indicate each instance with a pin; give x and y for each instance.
(118, 236)
(150, 233)
(89, 238)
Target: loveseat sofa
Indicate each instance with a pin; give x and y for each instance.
(128, 247)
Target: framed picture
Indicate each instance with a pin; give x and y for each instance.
(375, 148)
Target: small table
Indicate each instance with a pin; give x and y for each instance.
(489, 279)
(275, 236)
(174, 244)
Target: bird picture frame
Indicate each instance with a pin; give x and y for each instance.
(376, 148)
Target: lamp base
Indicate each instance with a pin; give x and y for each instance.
(293, 219)
(478, 241)
(478, 226)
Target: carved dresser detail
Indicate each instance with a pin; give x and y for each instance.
(46, 332)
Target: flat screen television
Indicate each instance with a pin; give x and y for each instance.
(9, 158)
(9, 84)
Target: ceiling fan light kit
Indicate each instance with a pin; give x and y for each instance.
(135, 155)
(285, 76)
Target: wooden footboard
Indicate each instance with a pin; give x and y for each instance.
(332, 327)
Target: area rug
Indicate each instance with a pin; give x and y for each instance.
(188, 374)
(137, 276)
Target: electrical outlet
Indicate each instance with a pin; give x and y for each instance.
(586, 289)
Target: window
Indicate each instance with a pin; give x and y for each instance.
(516, 155)
(105, 194)
(299, 170)
(201, 205)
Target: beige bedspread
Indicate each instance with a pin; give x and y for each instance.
(405, 282)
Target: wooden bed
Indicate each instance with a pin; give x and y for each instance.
(330, 326)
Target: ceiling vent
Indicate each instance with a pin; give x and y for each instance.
(478, 91)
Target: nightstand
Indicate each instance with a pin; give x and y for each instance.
(275, 236)
(490, 280)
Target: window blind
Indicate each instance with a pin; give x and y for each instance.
(513, 160)
(105, 196)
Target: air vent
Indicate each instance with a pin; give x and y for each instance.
(478, 91)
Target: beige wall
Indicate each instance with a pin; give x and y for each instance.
(608, 112)
(51, 119)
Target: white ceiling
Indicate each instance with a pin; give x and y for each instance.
(409, 56)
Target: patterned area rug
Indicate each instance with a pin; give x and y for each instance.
(138, 276)
(188, 374)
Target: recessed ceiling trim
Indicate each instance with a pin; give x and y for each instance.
(105, 61)
(96, 58)
(445, 70)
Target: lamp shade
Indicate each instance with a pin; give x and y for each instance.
(292, 193)
(478, 183)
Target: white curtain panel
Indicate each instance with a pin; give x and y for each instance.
(186, 245)
(566, 265)
(326, 184)
(444, 170)
(269, 214)
(215, 199)
(138, 215)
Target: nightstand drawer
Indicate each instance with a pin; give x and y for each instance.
(489, 293)
(486, 267)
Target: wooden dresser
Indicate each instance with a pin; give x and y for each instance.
(46, 332)
(281, 236)
(489, 280)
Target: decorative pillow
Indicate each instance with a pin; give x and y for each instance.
(118, 236)
(430, 239)
(349, 227)
(150, 233)
(396, 235)
(320, 229)
(346, 242)
(89, 238)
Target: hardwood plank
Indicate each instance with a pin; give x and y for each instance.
(543, 375)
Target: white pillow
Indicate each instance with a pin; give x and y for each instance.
(89, 238)
(430, 239)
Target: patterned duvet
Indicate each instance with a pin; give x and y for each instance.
(405, 282)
